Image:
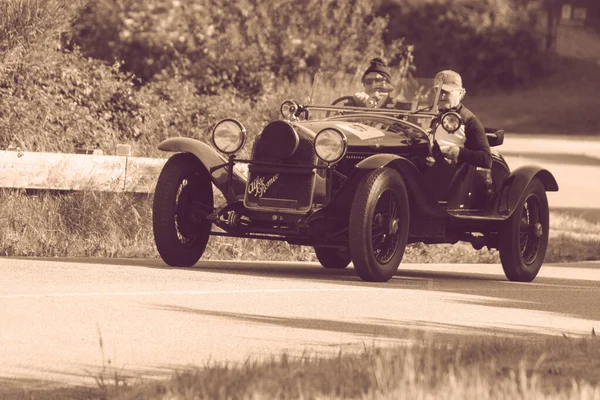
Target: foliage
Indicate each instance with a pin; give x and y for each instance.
(246, 45)
(492, 43)
(54, 101)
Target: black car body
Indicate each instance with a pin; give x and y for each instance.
(357, 184)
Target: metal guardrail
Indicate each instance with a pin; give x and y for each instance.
(123, 173)
(60, 171)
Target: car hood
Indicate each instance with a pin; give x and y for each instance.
(357, 133)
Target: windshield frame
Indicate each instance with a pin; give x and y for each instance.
(411, 96)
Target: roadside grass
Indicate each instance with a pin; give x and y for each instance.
(483, 367)
(573, 238)
(77, 224)
(119, 225)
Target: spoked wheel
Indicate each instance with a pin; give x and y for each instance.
(182, 200)
(331, 258)
(341, 101)
(379, 223)
(524, 236)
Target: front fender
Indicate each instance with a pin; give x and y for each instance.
(210, 158)
(419, 194)
(511, 192)
(378, 161)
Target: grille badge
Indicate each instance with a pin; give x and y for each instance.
(258, 186)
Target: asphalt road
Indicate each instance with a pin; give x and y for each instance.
(151, 319)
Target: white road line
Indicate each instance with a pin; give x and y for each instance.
(184, 292)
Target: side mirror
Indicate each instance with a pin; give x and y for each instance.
(494, 137)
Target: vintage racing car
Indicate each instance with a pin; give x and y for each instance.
(357, 184)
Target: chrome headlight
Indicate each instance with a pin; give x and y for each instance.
(228, 136)
(451, 121)
(330, 145)
(288, 109)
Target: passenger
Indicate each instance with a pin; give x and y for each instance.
(476, 150)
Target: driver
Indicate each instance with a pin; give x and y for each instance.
(476, 150)
(377, 84)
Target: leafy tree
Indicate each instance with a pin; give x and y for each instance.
(492, 43)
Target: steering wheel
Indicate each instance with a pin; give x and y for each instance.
(346, 100)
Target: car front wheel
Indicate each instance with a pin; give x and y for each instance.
(379, 223)
(183, 198)
(524, 236)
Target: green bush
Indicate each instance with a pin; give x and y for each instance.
(56, 101)
(245, 45)
(53, 99)
(492, 43)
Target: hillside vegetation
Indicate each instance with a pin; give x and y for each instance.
(100, 72)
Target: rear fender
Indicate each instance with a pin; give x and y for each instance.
(420, 195)
(511, 192)
(210, 158)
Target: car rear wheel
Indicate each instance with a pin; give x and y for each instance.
(379, 223)
(183, 198)
(331, 258)
(524, 236)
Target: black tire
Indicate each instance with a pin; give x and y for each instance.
(331, 258)
(524, 236)
(379, 224)
(182, 199)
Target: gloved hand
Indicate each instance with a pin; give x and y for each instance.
(450, 152)
(362, 99)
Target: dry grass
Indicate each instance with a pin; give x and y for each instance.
(482, 368)
(476, 368)
(78, 224)
(573, 238)
(24, 23)
(119, 225)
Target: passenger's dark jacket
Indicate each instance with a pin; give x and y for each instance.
(477, 149)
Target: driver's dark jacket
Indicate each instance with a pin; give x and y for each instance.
(477, 149)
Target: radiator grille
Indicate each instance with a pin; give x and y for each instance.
(281, 181)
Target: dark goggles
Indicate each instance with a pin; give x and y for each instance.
(369, 80)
